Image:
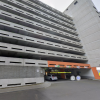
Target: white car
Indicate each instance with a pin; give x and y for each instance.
(51, 77)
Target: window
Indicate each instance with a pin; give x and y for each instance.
(75, 2)
(97, 12)
(66, 9)
(94, 7)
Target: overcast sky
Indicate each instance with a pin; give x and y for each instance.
(61, 5)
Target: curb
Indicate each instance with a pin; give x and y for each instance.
(25, 87)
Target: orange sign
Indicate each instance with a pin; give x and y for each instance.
(67, 65)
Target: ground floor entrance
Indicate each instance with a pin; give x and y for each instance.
(64, 70)
(66, 73)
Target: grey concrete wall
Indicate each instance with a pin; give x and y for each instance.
(22, 51)
(10, 37)
(37, 20)
(17, 17)
(13, 72)
(85, 73)
(6, 25)
(87, 22)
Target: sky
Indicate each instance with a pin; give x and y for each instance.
(61, 5)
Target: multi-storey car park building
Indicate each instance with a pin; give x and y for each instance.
(34, 36)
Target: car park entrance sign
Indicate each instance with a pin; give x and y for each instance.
(72, 78)
(78, 78)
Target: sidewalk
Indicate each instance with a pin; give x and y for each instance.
(26, 87)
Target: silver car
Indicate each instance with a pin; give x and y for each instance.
(51, 77)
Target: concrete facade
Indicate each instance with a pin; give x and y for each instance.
(87, 21)
(31, 33)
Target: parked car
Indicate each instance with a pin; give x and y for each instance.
(51, 77)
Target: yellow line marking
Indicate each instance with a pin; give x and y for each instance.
(60, 72)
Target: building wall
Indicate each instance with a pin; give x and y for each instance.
(11, 76)
(85, 73)
(87, 21)
(31, 33)
(20, 72)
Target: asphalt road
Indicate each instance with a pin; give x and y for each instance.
(60, 90)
